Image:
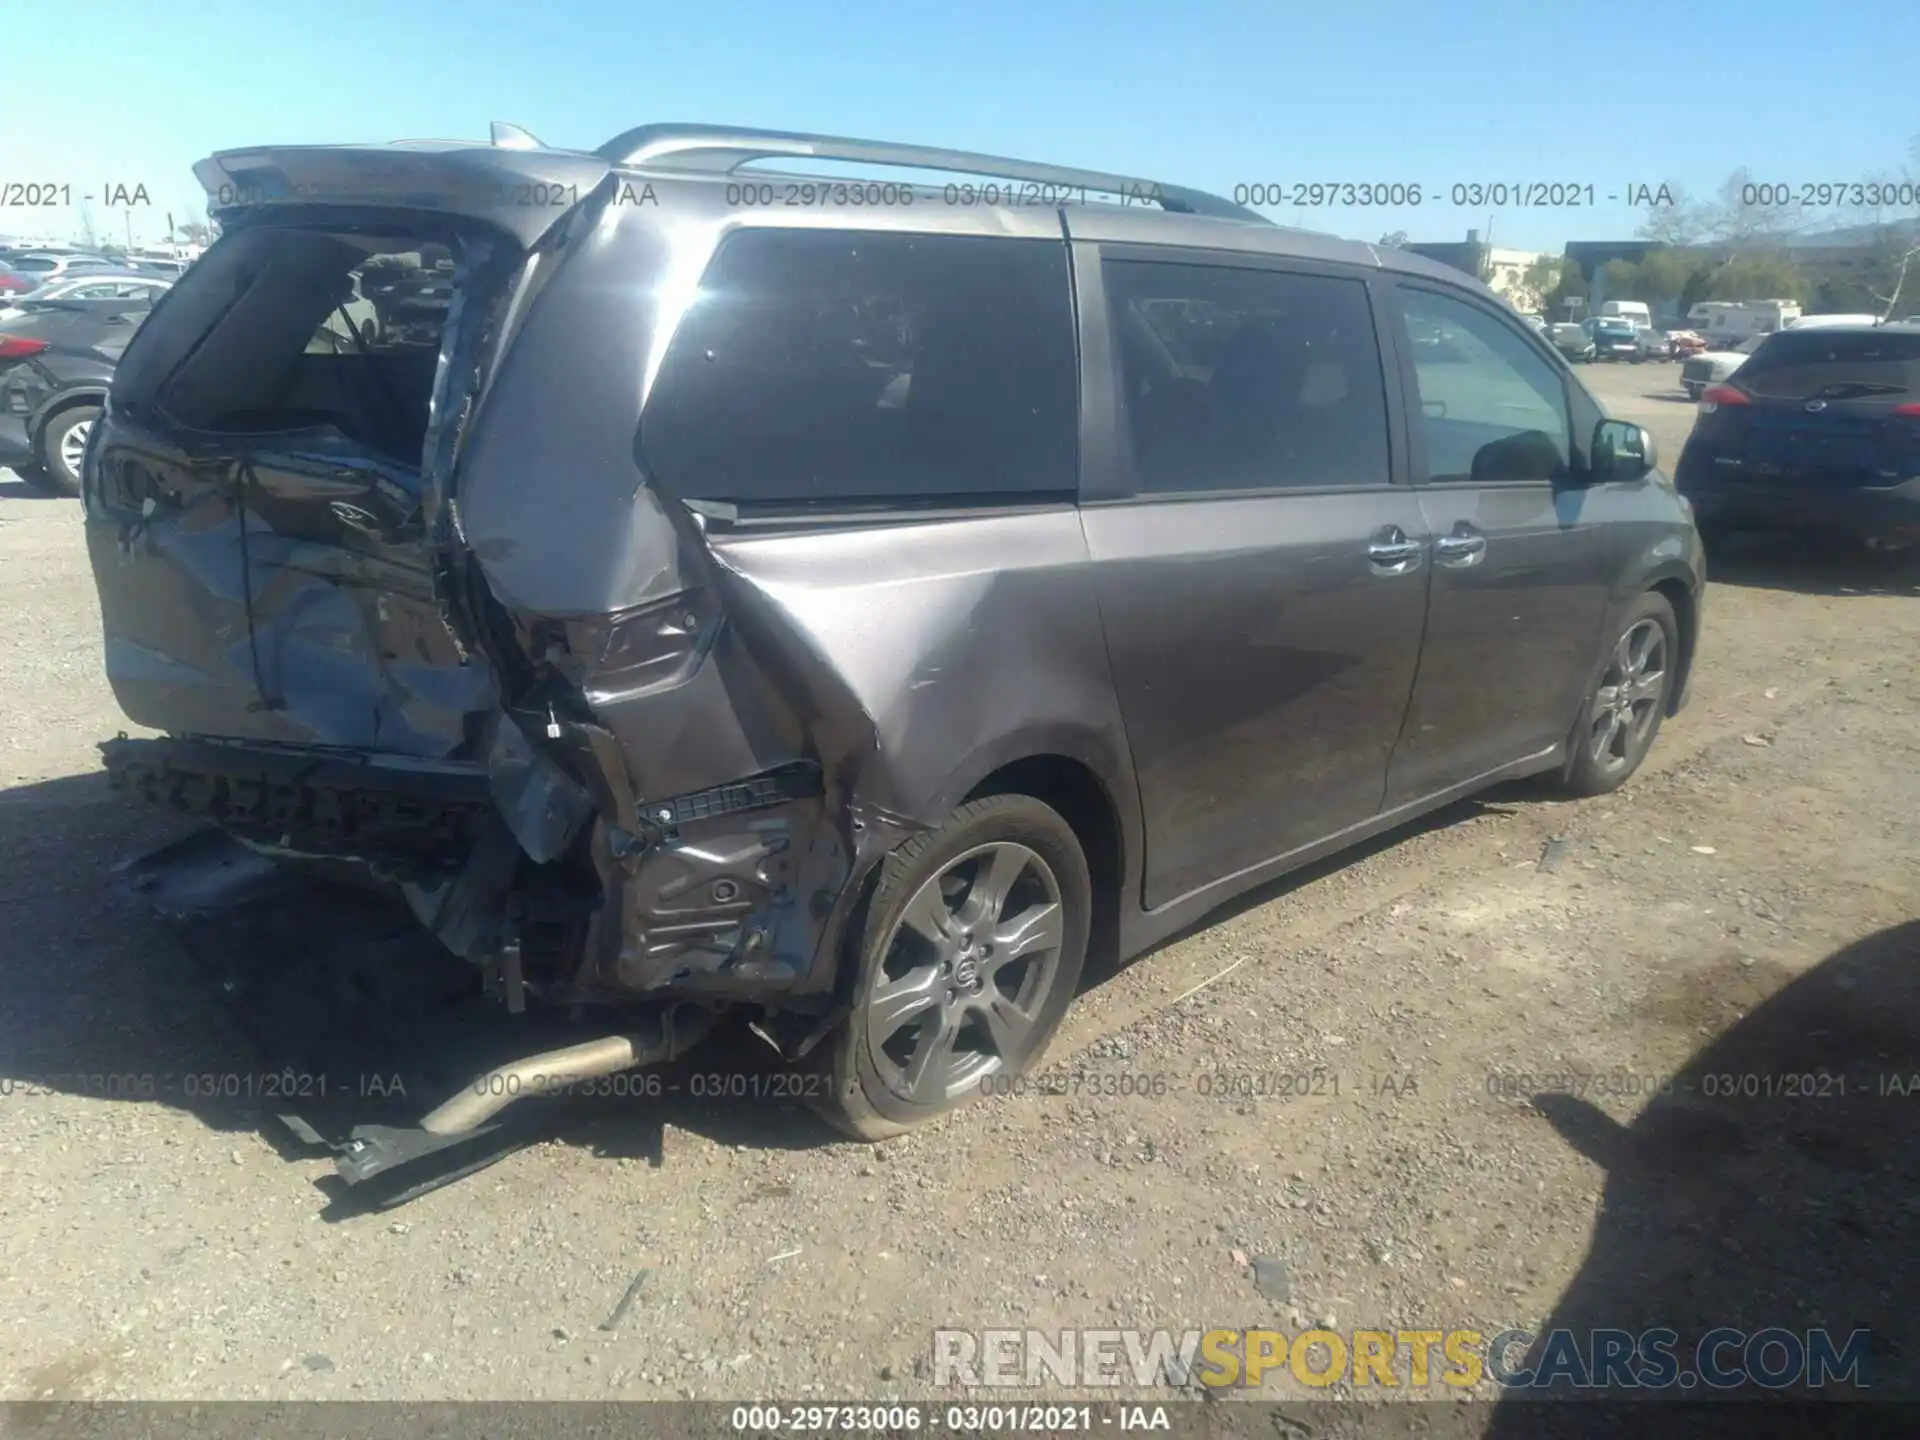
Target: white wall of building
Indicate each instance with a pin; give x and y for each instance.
(1506, 277)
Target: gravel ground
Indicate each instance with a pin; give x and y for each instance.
(1744, 907)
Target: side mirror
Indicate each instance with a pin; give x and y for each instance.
(1622, 451)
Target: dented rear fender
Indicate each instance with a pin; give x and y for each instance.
(722, 726)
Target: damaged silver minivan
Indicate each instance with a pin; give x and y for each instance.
(849, 602)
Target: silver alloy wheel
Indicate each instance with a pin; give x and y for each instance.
(1628, 701)
(966, 973)
(73, 446)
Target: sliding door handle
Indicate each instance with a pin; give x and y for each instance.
(1392, 553)
(1462, 548)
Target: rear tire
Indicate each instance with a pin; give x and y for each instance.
(1627, 699)
(968, 958)
(61, 445)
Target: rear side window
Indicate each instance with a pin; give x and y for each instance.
(1242, 379)
(1802, 364)
(831, 366)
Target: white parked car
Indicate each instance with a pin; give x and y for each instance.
(354, 322)
(1710, 367)
(88, 285)
(42, 266)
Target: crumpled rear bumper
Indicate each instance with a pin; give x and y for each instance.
(410, 818)
(725, 893)
(372, 1040)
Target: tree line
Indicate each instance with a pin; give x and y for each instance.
(1727, 247)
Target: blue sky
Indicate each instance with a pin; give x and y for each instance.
(1213, 95)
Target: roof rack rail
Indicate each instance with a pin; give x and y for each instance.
(723, 149)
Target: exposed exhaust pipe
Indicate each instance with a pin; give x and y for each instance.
(549, 1072)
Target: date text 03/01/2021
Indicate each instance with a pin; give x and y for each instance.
(204, 1085)
(1468, 194)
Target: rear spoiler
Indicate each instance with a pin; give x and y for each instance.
(522, 191)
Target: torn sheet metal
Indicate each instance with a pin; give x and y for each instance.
(694, 739)
(275, 593)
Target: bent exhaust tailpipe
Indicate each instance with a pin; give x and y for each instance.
(551, 1071)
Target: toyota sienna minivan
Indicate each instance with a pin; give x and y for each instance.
(847, 603)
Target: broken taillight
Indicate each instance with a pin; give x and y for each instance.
(18, 347)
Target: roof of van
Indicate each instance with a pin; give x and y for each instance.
(479, 174)
(1124, 224)
(1184, 218)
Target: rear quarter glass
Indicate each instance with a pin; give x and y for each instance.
(1803, 364)
(820, 366)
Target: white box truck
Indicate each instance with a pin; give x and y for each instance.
(1634, 310)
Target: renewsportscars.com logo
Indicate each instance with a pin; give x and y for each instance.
(1774, 1358)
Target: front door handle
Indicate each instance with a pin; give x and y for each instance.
(1462, 548)
(1392, 553)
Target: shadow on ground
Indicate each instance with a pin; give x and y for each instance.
(332, 1005)
(13, 487)
(1777, 1185)
(333, 1009)
(1810, 564)
(1497, 799)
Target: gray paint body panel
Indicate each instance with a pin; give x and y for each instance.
(1228, 670)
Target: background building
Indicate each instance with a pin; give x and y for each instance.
(1514, 275)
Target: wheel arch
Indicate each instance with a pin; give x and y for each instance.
(1680, 588)
(60, 402)
(1086, 773)
(1082, 773)
(1685, 601)
(1071, 787)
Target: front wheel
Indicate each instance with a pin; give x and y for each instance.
(1627, 701)
(63, 444)
(969, 956)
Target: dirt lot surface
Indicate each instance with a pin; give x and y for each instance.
(1746, 907)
